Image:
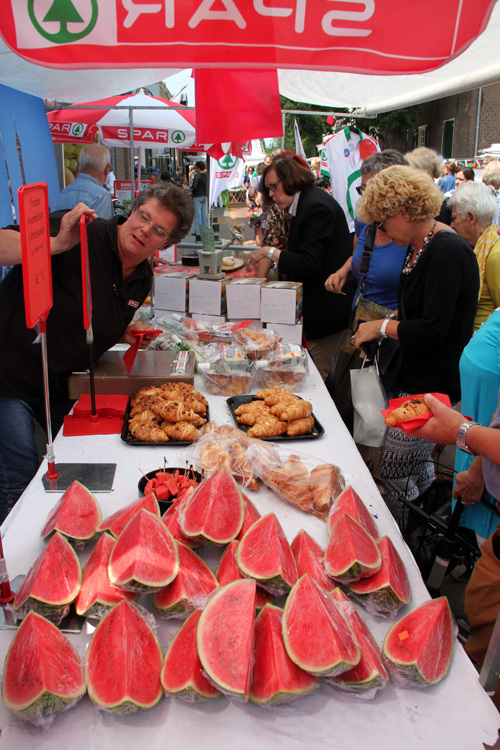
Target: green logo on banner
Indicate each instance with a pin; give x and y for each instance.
(178, 136)
(63, 12)
(77, 129)
(227, 162)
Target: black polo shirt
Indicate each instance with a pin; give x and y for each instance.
(114, 304)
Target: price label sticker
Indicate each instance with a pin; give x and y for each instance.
(35, 251)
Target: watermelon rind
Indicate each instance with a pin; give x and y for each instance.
(123, 662)
(215, 511)
(115, 523)
(43, 674)
(76, 515)
(370, 674)
(387, 590)
(251, 515)
(97, 595)
(276, 678)
(316, 634)
(144, 558)
(181, 674)
(351, 553)
(170, 519)
(225, 638)
(265, 555)
(350, 502)
(190, 589)
(52, 583)
(419, 646)
(228, 571)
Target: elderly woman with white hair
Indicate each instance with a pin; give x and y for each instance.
(491, 177)
(474, 208)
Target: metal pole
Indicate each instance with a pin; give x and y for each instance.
(478, 116)
(283, 120)
(51, 459)
(131, 131)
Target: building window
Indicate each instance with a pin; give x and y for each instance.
(447, 145)
(422, 139)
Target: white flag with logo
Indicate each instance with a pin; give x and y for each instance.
(225, 173)
(299, 148)
(345, 152)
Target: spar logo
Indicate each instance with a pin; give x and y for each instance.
(227, 162)
(63, 12)
(76, 129)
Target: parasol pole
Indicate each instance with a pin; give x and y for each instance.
(52, 473)
(131, 131)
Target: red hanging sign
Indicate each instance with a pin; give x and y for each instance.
(35, 251)
(357, 36)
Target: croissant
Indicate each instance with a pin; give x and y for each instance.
(292, 482)
(267, 427)
(297, 410)
(279, 394)
(300, 426)
(174, 411)
(252, 417)
(180, 431)
(144, 416)
(149, 432)
(241, 468)
(143, 402)
(282, 405)
(214, 457)
(410, 409)
(325, 483)
(252, 406)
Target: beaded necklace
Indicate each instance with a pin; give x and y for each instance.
(408, 265)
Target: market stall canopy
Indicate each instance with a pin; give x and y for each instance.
(134, 120)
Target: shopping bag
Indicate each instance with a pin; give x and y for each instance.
(368, 399)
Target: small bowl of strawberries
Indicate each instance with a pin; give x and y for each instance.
(169, 483)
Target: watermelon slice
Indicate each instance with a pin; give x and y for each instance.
(52, 582)
(171, 520)
(182, 674)
(251, 515)
(420, 645)
(265, 554)
(276, 679)
(190, 588)
(310, 559)
(124, 662)
(350, 502)
(43, 674)
(225, 638)
(317, 636)
(370, 674)
(97, 595)
(117, 522)
(389, 589)
(144, 557)
(228, 571)
(214, 512)
(351, 553)
(76, 515)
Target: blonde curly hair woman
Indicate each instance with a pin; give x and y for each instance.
(437, 299)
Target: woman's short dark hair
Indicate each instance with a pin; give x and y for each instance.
(291, 173)
(176, 199)
(468, 173)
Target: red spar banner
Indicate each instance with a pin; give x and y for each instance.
(357, 36)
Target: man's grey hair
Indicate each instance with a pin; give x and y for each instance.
(382, 159)
(491, 174)
(476, 198)
(93, 157)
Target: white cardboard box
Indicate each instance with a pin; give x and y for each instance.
(281, 302)
(210, 319)
(207, 297)
(243, 299)
(290, 334)
(171, 292)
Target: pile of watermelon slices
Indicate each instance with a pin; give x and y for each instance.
(234, 640)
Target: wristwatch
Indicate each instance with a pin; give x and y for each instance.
(461, 437)
(383, 334)
(270, 253)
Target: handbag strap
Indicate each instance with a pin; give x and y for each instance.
(367, 254)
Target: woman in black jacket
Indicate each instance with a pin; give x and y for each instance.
(319, 242)
(437, 300)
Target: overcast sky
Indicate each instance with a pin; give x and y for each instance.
(176, 82)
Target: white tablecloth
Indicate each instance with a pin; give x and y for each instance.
(454, 715)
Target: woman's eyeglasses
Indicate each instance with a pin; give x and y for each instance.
(273, 186)
(380, 224)
(157, 231)
(360, 189)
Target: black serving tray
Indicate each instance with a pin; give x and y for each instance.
(234, 401)
(131, 440)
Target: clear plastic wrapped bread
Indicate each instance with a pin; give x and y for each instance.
(287, 367)
(257, 343)
(297, 477)
(226, 371)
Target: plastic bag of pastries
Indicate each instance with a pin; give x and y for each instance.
(285, 367)
(257, 343)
